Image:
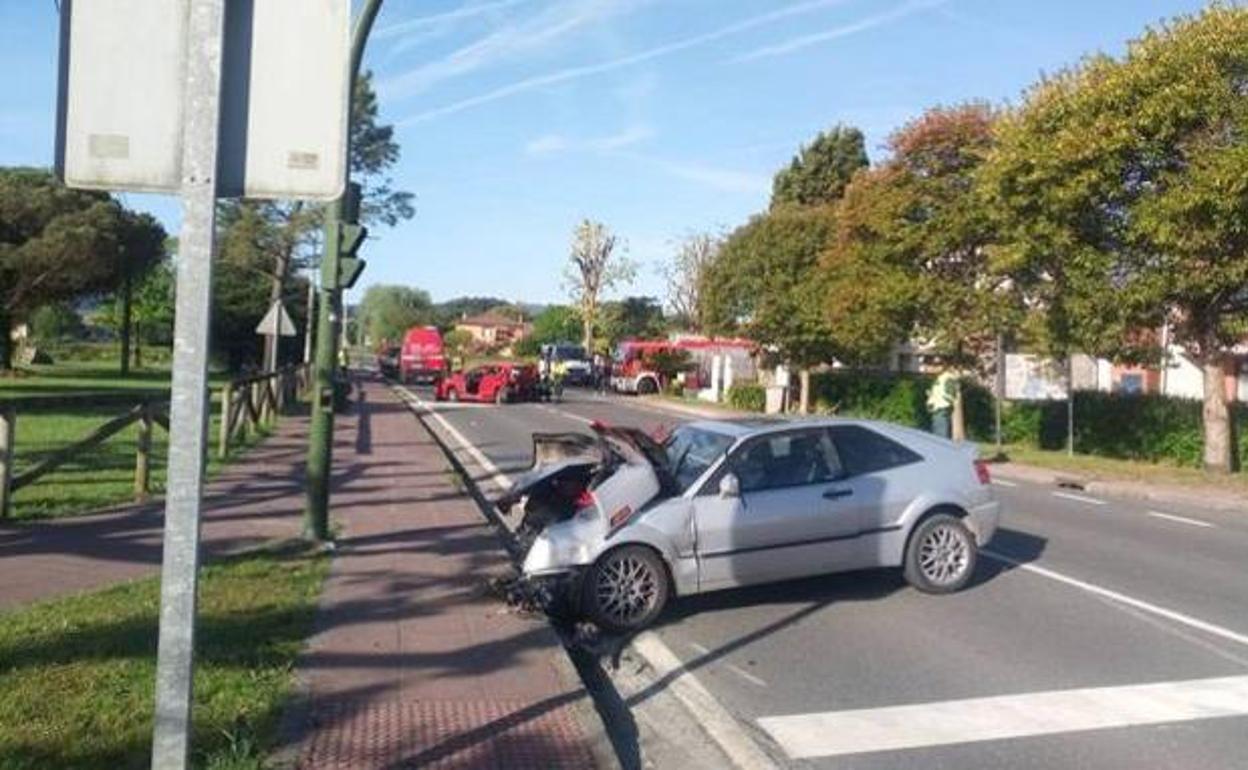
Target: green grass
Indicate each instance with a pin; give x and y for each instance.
(1107, 468)
(77, 674)
(102, 476)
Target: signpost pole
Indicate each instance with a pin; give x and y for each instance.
(320, 439)
(188, 420)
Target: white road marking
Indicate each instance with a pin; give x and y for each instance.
(834, 733)
(1130, 601)
(699, 649)
(721, 726)
(498, 477)
(1179, 519)
(569, 415)
(1004, 483)
(1079, 498)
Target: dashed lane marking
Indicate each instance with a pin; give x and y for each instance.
(834, 733)
(1179, 519)
(1004, 483)
(1079, 498)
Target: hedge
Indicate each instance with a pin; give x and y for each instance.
(1134, 427)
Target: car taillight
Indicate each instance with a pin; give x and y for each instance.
(981, 470)
(586, 505)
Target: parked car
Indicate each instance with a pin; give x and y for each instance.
(422, 357)
(498, 383)
(616, 524)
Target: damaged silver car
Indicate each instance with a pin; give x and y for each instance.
(616, 523)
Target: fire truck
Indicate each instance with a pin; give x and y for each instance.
(633, 371)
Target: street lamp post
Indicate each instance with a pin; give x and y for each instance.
(329, 309)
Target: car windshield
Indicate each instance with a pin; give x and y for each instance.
(691, 451)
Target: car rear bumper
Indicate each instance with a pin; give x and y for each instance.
(983, 520)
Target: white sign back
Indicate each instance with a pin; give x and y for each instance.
(284, 96)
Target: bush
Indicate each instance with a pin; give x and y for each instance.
(748, 397)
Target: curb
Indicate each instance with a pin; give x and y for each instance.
(1129, 490)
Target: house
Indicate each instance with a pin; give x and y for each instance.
(495, 329)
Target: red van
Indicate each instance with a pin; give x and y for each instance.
(422, 357)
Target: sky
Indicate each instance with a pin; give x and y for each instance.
(659, 118)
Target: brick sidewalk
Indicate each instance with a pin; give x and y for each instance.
(248, 503)
(415, 663)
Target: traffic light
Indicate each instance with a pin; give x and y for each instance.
(348, 265)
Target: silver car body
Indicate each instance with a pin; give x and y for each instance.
(710, 541)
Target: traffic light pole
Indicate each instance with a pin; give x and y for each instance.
(329, 315)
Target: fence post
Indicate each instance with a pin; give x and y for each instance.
(283, 382)
(223, 445)
(142, 469)
(266, 412)
(8, 437)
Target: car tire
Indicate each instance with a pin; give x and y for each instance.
(502, 396)
(941, 555)
(626, 589)
(647, 387)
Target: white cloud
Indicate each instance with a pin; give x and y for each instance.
(537, 33)
(845, 30)
(610, 65)
(550, 144)
(401, 28)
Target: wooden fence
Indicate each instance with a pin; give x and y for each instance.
(247, 405)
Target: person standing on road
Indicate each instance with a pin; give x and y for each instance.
(940, 400)
(558, 372)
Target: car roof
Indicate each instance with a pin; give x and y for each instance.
(741, 427)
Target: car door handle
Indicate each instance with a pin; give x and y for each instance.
(837, 492)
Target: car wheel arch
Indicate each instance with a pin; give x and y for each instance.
(928, 511)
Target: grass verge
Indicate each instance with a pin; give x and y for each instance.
(1111, 469)
(76, 674)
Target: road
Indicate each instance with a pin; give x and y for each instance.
(1098, 633)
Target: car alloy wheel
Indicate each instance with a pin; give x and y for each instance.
(941, 555)
(627, 589)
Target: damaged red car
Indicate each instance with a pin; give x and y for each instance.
(498, 383)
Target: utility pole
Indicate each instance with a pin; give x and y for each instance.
(329, 312)
(189, 394)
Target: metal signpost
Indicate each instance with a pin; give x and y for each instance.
(179, 96)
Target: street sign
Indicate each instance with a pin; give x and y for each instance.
(284, 98)
(276, 322)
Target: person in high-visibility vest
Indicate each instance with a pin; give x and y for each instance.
(940, 400)
(558, 372)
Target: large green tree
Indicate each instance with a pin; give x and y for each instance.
(763, 284)
(596, 265)
(820, 171)
(141, 248)
(1124, 183)
(388, 311)
(55, 244)
(632, 317)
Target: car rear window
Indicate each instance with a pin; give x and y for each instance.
(864, 451)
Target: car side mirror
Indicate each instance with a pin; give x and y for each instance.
(730, 486)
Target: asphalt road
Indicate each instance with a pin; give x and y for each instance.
(1098, 633)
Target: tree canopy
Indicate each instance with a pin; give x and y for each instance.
(820, 171)
(388, 311)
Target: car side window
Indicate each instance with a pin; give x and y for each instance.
(862, 450)
(792, 458)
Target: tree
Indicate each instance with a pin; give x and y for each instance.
(388, 311)
(684, 275)
(594, 267)
(142, 247)
(453, 310)
(764, 284)
(458, 343)
(152, 310)
(57, 321)
(55, 244)
(820, 171)
(557, 323)
(1124, 188)
(912, 257)
(632, 317)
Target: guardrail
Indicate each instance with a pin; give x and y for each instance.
(247, 405)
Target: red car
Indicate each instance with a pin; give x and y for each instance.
(499, 383)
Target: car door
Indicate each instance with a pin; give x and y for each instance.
(791, 516)
(873, 466)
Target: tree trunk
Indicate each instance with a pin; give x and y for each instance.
(803, 399)
(275, 295)
(138, 346)
(6, 340)
(588, 336)
(959, 416)
(127, 304)
(1217, 423)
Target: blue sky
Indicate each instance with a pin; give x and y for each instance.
(659, 117)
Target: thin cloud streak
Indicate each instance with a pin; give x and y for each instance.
(557, 143)
(401, 28)
(588, 70)
(845, 30)
(719, 179)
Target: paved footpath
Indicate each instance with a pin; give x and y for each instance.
(415, 662)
